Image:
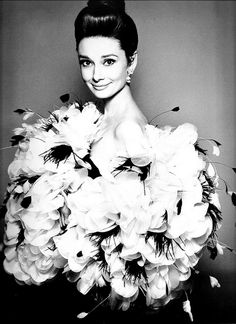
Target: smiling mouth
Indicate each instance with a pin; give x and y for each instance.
(100, 87)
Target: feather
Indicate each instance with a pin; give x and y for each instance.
(145, 170)
(128, 166)
(21, 236)
(57, 154)
(233, 198)
(98, 237)
(199, 149)
(215, 215)
(20, 111)
(163, 243)
(26, 202)
(179, 206)
(212, 248)
(65, 97)
(94, 171)
(134, 272)
(15, 139)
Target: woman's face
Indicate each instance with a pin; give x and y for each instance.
(103, 65)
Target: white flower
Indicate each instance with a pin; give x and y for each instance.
(157, 287)
(30, 264)
(74, 246)
(90, 276)
(123, 287)
(79, 128)
(12, 230)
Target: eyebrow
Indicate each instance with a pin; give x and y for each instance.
(103, 56)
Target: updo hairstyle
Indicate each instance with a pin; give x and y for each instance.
(107, 18)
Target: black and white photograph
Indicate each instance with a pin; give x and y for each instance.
(118, 162)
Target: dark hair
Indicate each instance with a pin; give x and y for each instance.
(107, 18)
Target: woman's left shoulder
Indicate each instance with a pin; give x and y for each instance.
(129, 128)
(132, 134)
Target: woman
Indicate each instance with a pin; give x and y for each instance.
(109, 198)
(106, 42)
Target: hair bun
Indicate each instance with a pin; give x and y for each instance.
(117, 5)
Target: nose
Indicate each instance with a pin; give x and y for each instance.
(97, 74)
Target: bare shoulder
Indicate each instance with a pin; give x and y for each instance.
(131, 134)
(129, 128)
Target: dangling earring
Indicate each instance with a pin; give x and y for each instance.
(128, 78)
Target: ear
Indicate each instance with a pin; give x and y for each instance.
(133, 60)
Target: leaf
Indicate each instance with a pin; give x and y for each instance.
(175, 109)
(65, 98)
(233, 198)
(26, 202)
(20, 111)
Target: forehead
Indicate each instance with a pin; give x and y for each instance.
(99, 46)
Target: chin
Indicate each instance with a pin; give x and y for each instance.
(103, 94)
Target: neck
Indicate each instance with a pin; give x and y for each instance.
(120, 103)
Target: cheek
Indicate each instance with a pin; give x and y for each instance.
(119, 73)
(85, 74)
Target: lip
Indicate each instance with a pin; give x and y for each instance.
(100, 87)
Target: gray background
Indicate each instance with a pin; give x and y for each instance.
(186, 59)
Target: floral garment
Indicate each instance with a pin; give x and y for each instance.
(137, 225)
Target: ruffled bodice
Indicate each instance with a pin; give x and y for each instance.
(110, 150)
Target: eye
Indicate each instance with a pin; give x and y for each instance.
(85, 63)
(109, 62)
